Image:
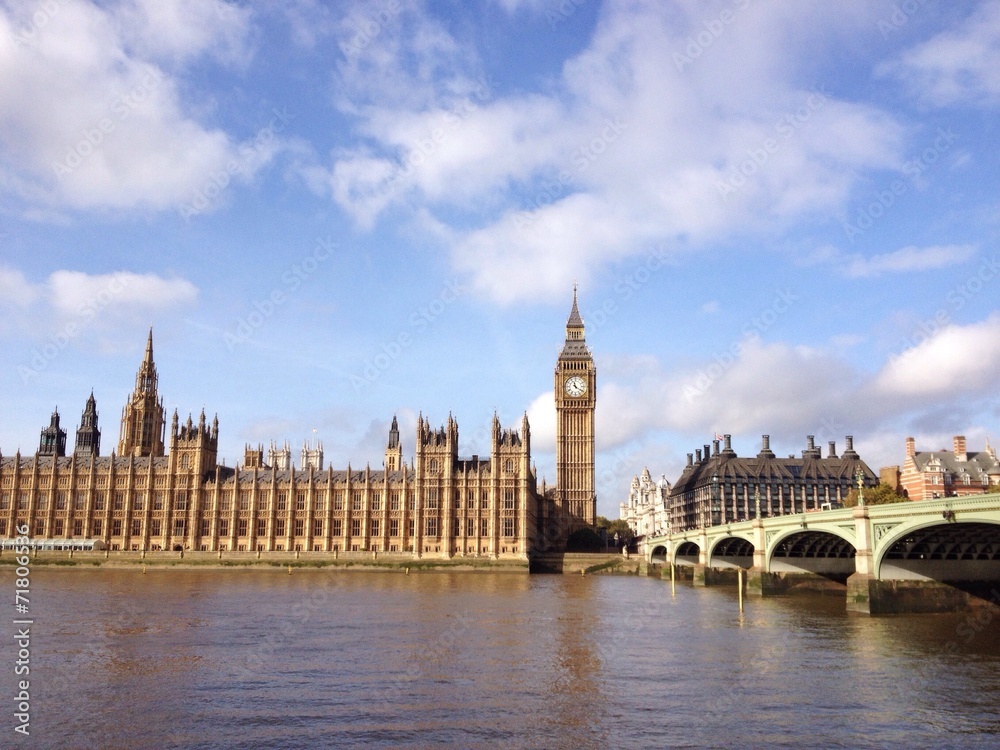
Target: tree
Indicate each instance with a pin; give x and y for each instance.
(882, 494)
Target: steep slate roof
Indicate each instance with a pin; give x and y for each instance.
(976, 465)
(767, 468)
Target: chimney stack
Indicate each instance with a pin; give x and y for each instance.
(697, 453)
(715, 447)
(727, 443)
(911, 447)
(833, 449)
(690, 459)
(959, 443)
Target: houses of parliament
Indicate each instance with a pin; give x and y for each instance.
(163, 489)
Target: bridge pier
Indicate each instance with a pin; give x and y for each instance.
(789, 583)
(698, 575)
(871, 596)
(721, 576)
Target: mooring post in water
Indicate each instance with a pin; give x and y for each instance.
(739, 586)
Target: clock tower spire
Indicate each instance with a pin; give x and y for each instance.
(576, 397)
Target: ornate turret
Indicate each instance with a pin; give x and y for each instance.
(143, 417)
(393, 449)
(194, 446)
(312, 456)
(88, 436)
(53, 440)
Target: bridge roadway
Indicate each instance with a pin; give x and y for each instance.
(924, 556)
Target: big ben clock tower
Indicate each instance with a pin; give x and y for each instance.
(576, 396)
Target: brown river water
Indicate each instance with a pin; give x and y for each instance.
(317, 659)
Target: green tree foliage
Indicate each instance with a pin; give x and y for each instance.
(879, 495)
(618, 526)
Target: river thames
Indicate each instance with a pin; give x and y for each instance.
(262, 659)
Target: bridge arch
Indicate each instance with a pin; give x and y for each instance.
(824, 551)
(731, 552)
(658, 554)
(687, 553)
(940, 549)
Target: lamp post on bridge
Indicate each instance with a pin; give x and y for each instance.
(860, 476)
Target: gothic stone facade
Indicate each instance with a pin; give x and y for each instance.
(152, 496)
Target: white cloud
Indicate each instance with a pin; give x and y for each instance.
(88, 119)
(542, 418)
(71, 292)
(631, 145)
(906, 260)
(182, 29)
(15, 290)
(82, 301)
(961, 66)
(960, 361)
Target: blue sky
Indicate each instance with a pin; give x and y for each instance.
(783, 218)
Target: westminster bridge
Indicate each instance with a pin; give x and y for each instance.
(924, 556)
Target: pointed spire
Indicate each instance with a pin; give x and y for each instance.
(149, 347)
(575, 320)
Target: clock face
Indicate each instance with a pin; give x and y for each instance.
(576, 386)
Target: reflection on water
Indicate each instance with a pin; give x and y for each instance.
(234, 659)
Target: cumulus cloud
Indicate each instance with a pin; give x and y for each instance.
(648, 135)
(103, 301)
(181, 29)
(91, 114)
(73, 291)
(959, 360)
(959, 66)
(15, 290)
